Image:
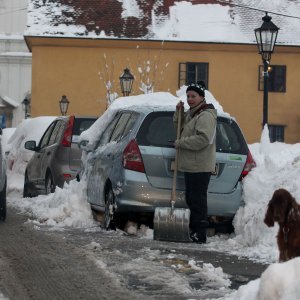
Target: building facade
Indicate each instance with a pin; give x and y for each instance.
(84, 62)
(15, 62)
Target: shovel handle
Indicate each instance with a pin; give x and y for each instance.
(173, 194)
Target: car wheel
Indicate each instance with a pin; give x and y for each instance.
(109, 214)
(3, 203)
(26, 192)
(49, 184)
(224, 227)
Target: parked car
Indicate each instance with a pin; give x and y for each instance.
(3, 181)
(17, 157)
(57, 157)
(129, 172)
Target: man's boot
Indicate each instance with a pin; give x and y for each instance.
(198, 232)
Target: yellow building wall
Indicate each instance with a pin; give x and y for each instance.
(80, 68)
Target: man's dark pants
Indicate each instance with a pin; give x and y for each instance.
(196, 185)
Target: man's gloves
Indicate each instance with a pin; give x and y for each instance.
(177, 144)
(180, 105)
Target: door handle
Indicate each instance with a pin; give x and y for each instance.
(48, 153)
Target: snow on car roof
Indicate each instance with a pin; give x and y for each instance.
(161, 100)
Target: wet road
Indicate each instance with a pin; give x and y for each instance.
(37, 262)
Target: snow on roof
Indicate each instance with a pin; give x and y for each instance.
(16, 54)
(197, 20)
(9, 101)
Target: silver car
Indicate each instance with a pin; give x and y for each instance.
(3, 181)
(57, 157)
(129, 173)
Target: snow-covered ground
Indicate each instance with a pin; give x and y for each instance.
(278, 166)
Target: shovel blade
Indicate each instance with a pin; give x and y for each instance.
(173, 227)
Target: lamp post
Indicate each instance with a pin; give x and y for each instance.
(64, 104)
(25, 104)
(266, 36)
(126, 81)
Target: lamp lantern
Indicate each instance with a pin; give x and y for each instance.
(25, 104)
(266, 36)
(64, 104)
(126, 81)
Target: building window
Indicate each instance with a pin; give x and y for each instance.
(191, 72)
(276, 133)
(277, 79)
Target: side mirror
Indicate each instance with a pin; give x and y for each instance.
(30, 145)
(1, 131)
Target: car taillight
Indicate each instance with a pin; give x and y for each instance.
(250, 163)
(66, 176)
(132, 158)
(67, 138)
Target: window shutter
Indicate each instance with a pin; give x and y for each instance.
(182, 74)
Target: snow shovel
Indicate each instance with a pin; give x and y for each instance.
(170, 223)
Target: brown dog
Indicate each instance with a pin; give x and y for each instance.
(284, 210)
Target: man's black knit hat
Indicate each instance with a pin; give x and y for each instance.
(197, 87)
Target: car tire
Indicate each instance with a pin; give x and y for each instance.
(3, 203)
(49, 184)
(113, 219)
(26, 193)
(225, 227)
(109, 213)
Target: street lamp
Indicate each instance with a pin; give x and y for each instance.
(266, 36)
(126, 81)
(64, 104)
(26, 104)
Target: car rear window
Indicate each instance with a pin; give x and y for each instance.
(229, 137)
(82, 124)
(158, 130)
